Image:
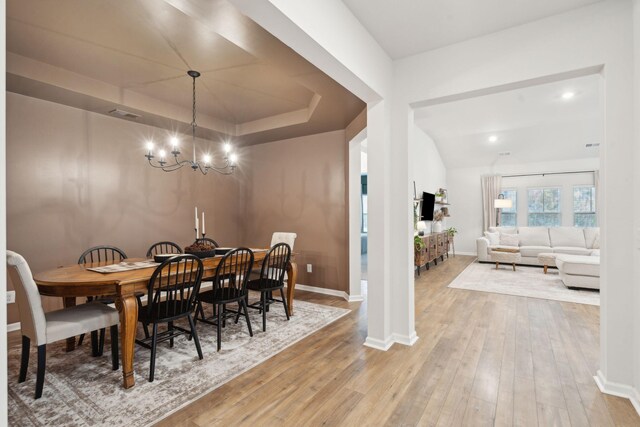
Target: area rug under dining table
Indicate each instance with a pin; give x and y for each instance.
(525, 282)
(81, 390)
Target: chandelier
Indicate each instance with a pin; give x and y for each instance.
(174, 162)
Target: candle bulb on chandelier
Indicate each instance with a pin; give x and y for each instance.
(174, 145)
(150, 147)
(203, 228)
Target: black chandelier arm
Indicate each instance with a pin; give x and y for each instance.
(225, 170)
(168, 167)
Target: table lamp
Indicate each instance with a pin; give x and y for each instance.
(421, 226)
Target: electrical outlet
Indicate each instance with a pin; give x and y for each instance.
(11, 297)
(309, 268)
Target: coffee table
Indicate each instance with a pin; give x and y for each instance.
(505, 255)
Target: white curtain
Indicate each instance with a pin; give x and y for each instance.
(491, 187)
(596, 183)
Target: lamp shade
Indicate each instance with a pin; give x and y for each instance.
(502, 203)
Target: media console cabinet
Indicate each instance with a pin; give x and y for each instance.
(436, 247)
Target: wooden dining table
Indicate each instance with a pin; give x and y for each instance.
(76, 281)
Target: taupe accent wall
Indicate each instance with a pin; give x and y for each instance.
(298, 185)
(77, 179)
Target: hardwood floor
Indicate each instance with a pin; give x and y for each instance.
(481, 359)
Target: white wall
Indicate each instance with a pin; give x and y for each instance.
(595, 37)
(429, 172)
(466, 198)
(636, 299)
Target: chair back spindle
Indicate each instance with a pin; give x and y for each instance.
(173, 288)
(274, 266)
(102, 254)
(232, 273)
(164, 248)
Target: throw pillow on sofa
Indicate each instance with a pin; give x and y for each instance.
(494, 238)
(509, 239)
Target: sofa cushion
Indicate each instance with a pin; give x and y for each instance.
(494, 238)
(595, 252)
(534, 236)
(567, 236)
(533, 251)
(505, 230)
(507, 239)
(591, 234)
(571, 250)
(579, 265)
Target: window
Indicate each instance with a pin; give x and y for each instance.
(509, 216)
(544, 207)
(584, 206)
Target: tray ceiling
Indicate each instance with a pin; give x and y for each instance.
(134, 55)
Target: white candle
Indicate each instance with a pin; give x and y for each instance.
(197, 228)
(196, 216)
(203, 230)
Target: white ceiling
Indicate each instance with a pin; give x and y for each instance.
(252, 86)
(534, 124)
(407, 27)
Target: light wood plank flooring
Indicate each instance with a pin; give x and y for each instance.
(481, 359)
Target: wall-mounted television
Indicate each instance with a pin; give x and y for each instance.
(428, 204)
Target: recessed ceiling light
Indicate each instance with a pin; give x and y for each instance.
(493, 138)
(568, 95)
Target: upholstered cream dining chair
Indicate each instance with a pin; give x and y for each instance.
(281, 237)
(44, 328)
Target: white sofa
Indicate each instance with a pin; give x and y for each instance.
(578, 271)
(537, 240)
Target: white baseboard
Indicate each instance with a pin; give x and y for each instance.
(617, 389)
(379, 344)
(406, 339)
(13, 327)
(332, 292)
(393, 339)
(467, 253)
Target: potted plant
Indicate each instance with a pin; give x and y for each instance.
(451, 231)
(420, 256)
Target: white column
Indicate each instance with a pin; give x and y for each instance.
(379, 221)
(355, 216)
(401, 255)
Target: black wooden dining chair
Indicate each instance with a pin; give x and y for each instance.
(271, 279)
(172, 292)
(106, 255)
(164, 248)
(229, 286)
(208, 240)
